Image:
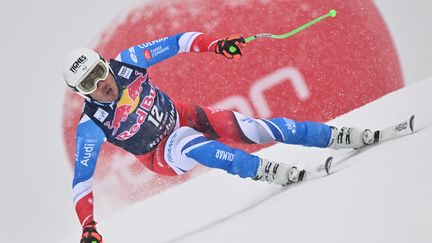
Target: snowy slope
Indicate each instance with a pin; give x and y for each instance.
(381, 194)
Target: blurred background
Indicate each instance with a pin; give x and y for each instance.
(35, 173)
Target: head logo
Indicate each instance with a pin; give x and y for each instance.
(82, 59)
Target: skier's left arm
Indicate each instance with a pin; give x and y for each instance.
(88, 144)
(153, 52)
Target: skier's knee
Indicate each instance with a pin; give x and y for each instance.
(312, 134)
(254, 130)
(177, 143)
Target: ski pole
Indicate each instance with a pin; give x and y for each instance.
(331, 13)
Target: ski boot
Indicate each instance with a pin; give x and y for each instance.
(278, 173)
(350, 137)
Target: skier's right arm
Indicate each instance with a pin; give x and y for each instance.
(153, 52)
(89, 139)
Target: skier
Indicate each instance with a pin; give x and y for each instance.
(124, 107)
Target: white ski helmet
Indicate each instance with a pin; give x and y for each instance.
(79, 64)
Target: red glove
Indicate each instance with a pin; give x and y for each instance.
(231, 47)
(90, 235)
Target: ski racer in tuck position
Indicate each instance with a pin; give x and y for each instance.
(125, 108)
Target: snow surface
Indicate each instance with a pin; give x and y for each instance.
(35, 177)
(380, 194)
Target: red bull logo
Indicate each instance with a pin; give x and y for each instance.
(142, 112)
(128, 102)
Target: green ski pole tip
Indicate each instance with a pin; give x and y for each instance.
(232, 49)
(332, 13)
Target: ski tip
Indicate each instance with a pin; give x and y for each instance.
(411, 123)
(328, 164)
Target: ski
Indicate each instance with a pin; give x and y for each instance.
(316, 171)
(392, 132)
(395, 131)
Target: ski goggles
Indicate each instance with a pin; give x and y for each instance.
(88, 84)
